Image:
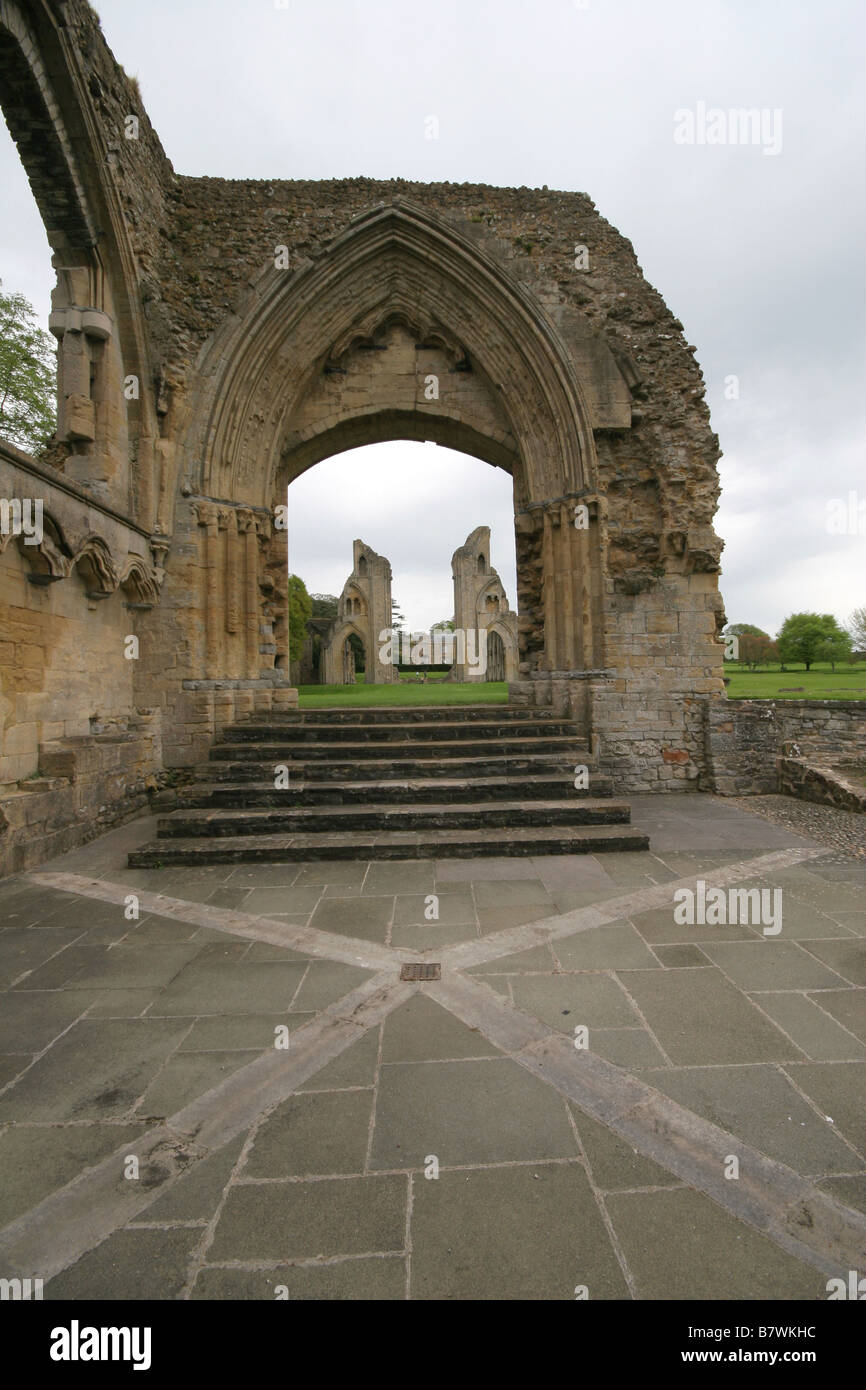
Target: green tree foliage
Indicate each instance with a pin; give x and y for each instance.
(756, 649)
(28, 375)
(746, 630)
(324, 605)
(300, 611)
(857, 628)
(835, 648)
(810, 637)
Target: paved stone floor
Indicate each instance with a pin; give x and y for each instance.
(234, 1096)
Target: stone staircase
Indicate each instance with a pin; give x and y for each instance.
(393, 783)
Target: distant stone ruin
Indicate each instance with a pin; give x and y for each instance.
(363, 612)
(480, 606)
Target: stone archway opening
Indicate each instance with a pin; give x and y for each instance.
(417, 503)
(495, 657)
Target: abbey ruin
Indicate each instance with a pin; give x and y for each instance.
(363, 625)
(218, 338)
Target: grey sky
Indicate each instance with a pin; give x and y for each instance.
(761, 256)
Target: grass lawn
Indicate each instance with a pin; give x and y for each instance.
(431, 692)
(845, 683)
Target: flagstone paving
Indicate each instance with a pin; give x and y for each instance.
(555, 1119)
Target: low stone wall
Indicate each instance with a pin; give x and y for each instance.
(83, 787)
(827, 785)
(744, 740)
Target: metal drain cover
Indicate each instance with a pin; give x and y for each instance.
(418, 970)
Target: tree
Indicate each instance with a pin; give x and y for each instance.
(803, 637)
(755, 648)
(857, 628)
(324, 605)
(745, 630)
(835, 648)
(28, 375)
(446, 625)
(300, 611)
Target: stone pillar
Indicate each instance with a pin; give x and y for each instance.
(234, 664)
(208, 516)
(549, 595)
(247, 527)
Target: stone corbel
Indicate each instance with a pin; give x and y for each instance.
(93, 323)
(138, 579)
(47, 560)
(96, 566)
(159, 548)
(206, 513)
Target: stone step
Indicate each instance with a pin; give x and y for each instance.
(569, 748)
(405, 769)
(504, 815)
(452, 731)
(410, 789)
(393, 844)
(403, 714)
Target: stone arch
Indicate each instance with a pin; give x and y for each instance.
(31, 104)
(332, 657)
(399, 292)
(494, 587)
(398, 264)
(506, 635)
(65, 99)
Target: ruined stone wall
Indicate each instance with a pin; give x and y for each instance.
(233, 305)
(99, 176)
(480, 605)
(364, 609)
(657, 472)
(745, 738)
(78, 748)
(652, 555)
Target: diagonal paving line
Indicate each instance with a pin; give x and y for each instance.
(767, 1195)
(504, 943)
(774, 1199)
(76, 1218)
(371, 955)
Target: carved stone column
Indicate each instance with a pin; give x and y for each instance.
(233, 581)
(208, 516)
(247, 527)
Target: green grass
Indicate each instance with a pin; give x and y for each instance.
(403, 693)
(845, 683)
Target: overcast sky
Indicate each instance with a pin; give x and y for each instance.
(760, 254)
